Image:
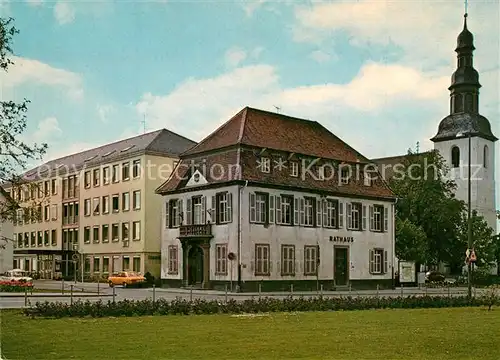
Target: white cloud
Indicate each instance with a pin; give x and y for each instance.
(64, 12)
(321, 56)
(35, 2)
(47, 129)
(35, 72)
(235, 56)
(104, 111)
(251, 6)
(256, 52)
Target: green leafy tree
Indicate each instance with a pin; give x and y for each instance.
(14, 152)
(411, 241)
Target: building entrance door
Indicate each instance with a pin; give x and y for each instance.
(195, 265)
(341, 266)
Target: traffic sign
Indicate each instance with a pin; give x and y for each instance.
(76, 257)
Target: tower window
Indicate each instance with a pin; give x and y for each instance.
(486, 155)
(455, 157)
(459, 103)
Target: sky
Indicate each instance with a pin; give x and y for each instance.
(375, 72)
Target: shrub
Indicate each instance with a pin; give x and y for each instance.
(262, 305)
(491, 296)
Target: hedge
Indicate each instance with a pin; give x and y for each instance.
(15, 288)
(262, 305)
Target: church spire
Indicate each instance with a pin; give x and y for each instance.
(465, 80)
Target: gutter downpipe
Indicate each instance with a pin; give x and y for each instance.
(240, 214)
(394, 242)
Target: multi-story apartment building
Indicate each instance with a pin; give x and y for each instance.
(6, 230)
(96, 211)
(274, 200)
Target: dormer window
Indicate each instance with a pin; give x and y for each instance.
(344, 175)
(265, 165)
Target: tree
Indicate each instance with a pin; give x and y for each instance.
(426, 200)
(14, 152)
(411, 241)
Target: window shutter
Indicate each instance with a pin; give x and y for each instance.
(302, 212)
(386, 219)
(213, 208)
(252, 207)
(319, 212)
(363, 222)
(372, 261)
(278, 209)
(167, 214)
(372, 218)
(188, 211)
(349, 215)
(341, 214)
(325, 215)
(385, 262)
(181, 212)
(272, 210)
(203, 210)
(296, 211)
(229, 207)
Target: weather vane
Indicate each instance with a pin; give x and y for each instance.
(466, 5)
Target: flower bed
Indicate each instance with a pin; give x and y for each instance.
(15, 286)
(184, 307)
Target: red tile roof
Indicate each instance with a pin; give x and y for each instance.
(236, 144)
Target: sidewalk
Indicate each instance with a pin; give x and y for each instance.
(50, 294)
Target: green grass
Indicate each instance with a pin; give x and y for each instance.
(452, 333)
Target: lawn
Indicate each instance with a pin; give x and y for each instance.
(452, 333)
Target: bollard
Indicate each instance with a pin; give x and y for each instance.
(98, 286)
(25, 296)
(114, 294)
(291, 290)
(62, 286)
(191, 294)
(260, 289)
(71, 295)
(378, 289)
(402, 286)
(154, 293)
(321, 289)
(350, 287)
(226, 295)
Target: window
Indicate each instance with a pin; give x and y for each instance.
(265, 164)
(105, 176)
(136, 264)
(115, 236)
(136, 169)
(378, 261)
(259, 208)
(198, 212)
(86, 207)
(221, 259)
(136, 230)
(53, 187)
(173, 261)
(262, 260)
(125, 227)
(223, 207)
(86, 234)
(469, 103)
(115, 176)
(33, 238)
(53, 212)
(27, 239)
(344, 175)
(95, 206)
(287, 260)
(20, 240)
(136, 199)
(354, 212)
(86, 179)
(96, 176)
(116, 203)
(126, 201)
(46, 212)
(46, 238)
(125, 171)
(294, 168)
(459, 103)
(126, 263)
(284, 209)
(105, 204)
(32, 193)
(311, 260)
(53, 237)
(307, 211)
(46, 188)
(95, 235)
(173, 213)
(455, 157)
(97, 263)
(486, 155)
(87, 265)
(40, 239)
(105, 265)
(330, 213)
(376, 218)
(105, 233)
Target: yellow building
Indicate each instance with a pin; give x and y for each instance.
(97, 210)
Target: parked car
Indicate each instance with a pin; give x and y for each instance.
(434, 276)
(17, 277)
(126, 278)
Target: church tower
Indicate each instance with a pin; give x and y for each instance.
(463, 121)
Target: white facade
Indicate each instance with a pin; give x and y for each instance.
(6, 242)
(286, 252)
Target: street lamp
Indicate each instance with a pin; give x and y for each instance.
(469, 224)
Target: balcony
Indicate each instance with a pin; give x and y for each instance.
(202, 230)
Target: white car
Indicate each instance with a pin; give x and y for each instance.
(17, 275)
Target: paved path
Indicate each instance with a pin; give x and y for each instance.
(90, 293)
